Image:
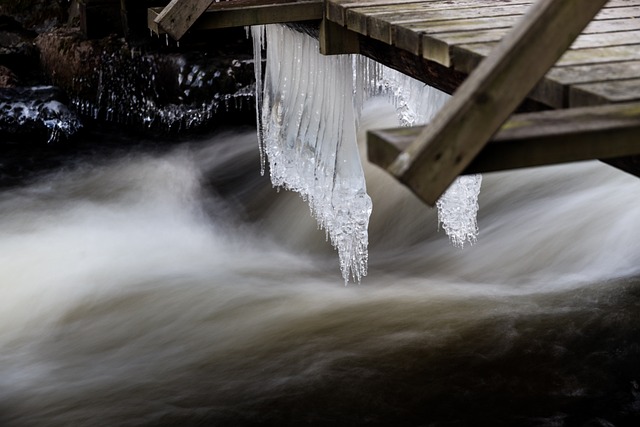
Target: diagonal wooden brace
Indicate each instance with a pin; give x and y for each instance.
(179, 15)
(490, 94)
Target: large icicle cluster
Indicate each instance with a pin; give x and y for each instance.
(307, 109)
(307, 133)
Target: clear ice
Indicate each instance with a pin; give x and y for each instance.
(416, 104)
(458, 210)
(307, 108)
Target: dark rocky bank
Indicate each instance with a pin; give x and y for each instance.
(55, 82)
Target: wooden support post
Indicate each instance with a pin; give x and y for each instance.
(337, 40)
(179, 16)
(490, 94)
(536, 139)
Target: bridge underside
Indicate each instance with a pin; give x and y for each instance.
(495, 57)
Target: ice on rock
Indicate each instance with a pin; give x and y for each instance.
(307, 108)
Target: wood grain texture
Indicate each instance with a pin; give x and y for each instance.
(490, 94)
(535, 139)
(179, 15)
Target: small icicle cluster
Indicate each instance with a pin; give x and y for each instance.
(417, 103)
(458, 210)
(307, 134)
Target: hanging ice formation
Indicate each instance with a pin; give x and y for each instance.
(416, 104)
(307, 107)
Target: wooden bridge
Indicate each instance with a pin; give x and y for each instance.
(577, 59)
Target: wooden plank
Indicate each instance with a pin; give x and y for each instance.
(257, 12)
(426, 38)
(585, 40)
(359, 19)
(409, 36)
(594, 73)
(490, 94)
(535, 139)
(605, 92)
(152, 14)
(618, 38)
(357, 16)
(381, 26)
(554, 88)
(179, 16)
(240, 13)
(439, 47)
(576, 66)
(337, 40)
(585, 56)
(336, 9)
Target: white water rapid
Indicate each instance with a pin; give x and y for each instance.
(175, 288)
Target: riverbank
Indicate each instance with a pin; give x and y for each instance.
(54, 82)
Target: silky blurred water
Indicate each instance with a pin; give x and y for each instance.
(176, 287)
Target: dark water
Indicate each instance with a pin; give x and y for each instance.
(176, 288)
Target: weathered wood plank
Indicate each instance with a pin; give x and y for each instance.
(380, 26)
(554, 88)
(585, 40)
(605, 92)
(358, 19)
(336, 9)
(431, 11)
(536, 139)
(594, 55)
(337, 40)
(409, 36)
(490, 94)
(594, 72)
(179, 16)
(426, 38)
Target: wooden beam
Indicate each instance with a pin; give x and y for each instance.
(240, 13)
(491, 93)
(180, 15)
(337, 40)
(535, 139)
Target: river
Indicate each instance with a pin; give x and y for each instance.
(175, 287)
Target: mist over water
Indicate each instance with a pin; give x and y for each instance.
(179, 288)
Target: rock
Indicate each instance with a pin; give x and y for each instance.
(18, 54)
(7, 78)
(36, 114)
(107, 79)
(37, 15)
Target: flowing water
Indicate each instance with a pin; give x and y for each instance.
(177, 288)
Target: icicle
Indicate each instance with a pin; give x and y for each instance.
(417, 103)
(458, 210)
(307, 106)
(307, 134)
(258, 36)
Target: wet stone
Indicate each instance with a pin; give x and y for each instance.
(36, 114)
